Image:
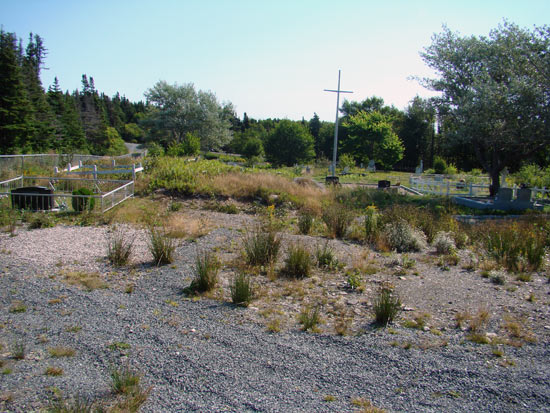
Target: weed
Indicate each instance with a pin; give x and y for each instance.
(418, 322)
(309, 317)
(325, 257)
(119, 346)
(41, 220)
(460, 318)
(274, 325)
(17, 306)
(123, 380)
(76, 405)
(498, 279)
(61, 351)
(386, 306)
(261, 246)
(129, 289)
(90, 281)
(119, 248)
(298, 262)
(343, 323)
(444, 243)
(6, 371)
(53, 371)
(366, 406)
(207, 266)
(337, 219)
(241, 290)
(161, 246)
(479, 321)
(329, 398)
(18, 350)
(524, 277)
(73, 329)
(407, 262)
(372, 224)
(305, 222)
(354, 279)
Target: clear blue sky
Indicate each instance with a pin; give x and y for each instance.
(269, 58)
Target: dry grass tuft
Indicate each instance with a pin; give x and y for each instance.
(182, 226)
(90, 281)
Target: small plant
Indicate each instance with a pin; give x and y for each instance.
(498, 279)
(354, 279)
(17, 306)
(53, 371)
(386, 306)
(76, 405)
(407, 262)
(61, 351)
(124, 380)
(418, 322)
(207, 266)
(83, 200)
(444, 243)
(261, 246)
(298, 262)
(524, 277)
(41, 220)
(329, 398)
(18, 350)
(305, 222)
(309, 317)
(404, 238)
(174, 206)
(274, 325)
(325, 257)
(161, 246)
(337, 219)
(372, 224)
(119, 346)
(119, 248)
(241, 290)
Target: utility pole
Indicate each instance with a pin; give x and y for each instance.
(335, 149)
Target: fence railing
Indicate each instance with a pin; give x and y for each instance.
(106, 192)
(95, 170)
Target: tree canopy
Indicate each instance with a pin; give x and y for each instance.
(180, 109)
(495, 92)
(289, 143)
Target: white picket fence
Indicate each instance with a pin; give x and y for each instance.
(96, 170)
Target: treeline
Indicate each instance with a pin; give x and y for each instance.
(35, 121)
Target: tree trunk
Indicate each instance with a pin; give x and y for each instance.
(495, 181)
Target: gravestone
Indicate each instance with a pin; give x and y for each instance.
(505, 195)
(372, 166)
(524, 195)
(32, 197)
(420, 168)
(384, 184)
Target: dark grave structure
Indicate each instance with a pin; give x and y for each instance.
(384, 184)
(35, 198)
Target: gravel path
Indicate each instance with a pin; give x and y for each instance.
(202, 355)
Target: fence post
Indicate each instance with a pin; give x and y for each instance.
(471, 188)
(69, 167)
(113, 163)
(22, 164)
(95, 172)
(134, 172)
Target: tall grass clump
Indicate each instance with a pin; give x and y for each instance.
(298, 262)
(325, 257)
(402, 237)
(518, 247)
(241, 290)
(444, 243)
(372, 227)
(119, 248)
(261, 246)
(386, 306)
(337, 219)
(305, 222)
(206, 270)
(310, 317)
(161, 246)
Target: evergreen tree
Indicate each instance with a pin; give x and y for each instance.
(15, 118)
(314, 129)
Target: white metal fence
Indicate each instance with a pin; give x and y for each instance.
(106, 192)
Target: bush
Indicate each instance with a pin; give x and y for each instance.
(337, 219)
(346, 161)
(444, 243)
(161, 246)
(41, 220)
(119, 248)
(207, 266)
(124, 380)
(403, 237)
(298, 262)
(79, 203)
(261, 246)
(305, 222)
(440, 165)
(386, 307)
(241, 290)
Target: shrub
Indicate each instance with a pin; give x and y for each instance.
(354, 280)
(119, 248)
(241, 290)
(207, 266)
(305, 222)
(346, 161)
(75, 405)
(439, 165)
(325, 257)
(18, 350)
(386, 306)
(309, 317)
(81, 203)
(444, 243)
(261, 246)
(404, 238)
(298, 262)
(371, 224)
(41, 220)
(337, 219)
(161, 246)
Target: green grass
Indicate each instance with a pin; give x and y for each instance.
(206, 271)
(386, 306)
(241, 290)
(298, 263)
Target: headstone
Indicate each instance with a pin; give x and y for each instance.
(332, 180)
(524, 195)
(503, 176)
(420, 168)
(384, 184)
(505, 195)
(372, 166)
(32, 197)
(345, 171)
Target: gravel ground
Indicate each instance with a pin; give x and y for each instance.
(205, 355)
